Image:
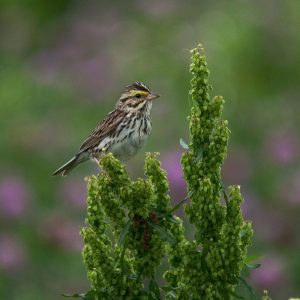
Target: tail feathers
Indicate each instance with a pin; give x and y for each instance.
(69, 166)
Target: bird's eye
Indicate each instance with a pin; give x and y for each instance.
(138, 95)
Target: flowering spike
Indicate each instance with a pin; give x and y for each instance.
(131, 226)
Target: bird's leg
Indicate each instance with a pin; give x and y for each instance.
(97, 160)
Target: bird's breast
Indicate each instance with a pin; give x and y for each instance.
(131, 138)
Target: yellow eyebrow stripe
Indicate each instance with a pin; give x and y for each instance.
(135, 92)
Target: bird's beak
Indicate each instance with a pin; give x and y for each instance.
(152, 96)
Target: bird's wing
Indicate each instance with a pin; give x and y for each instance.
(104, 129)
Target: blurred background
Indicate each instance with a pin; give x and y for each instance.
(63, 65)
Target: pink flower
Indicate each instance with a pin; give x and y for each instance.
(62, 233)
(290, 191)
(80, 56)
(73, 191)
(250, 207)
(265, 220)
(171, 163)
(11, 253)
(282, 147)
(14, 197)
(270, 274)
(237, 167)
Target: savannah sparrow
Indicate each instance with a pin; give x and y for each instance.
(123, 132)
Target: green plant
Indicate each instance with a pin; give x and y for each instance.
(131, 225)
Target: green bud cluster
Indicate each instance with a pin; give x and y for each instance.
(131, 226)
(212, 269)
(126, 222)
(236, 236)
(158, 178)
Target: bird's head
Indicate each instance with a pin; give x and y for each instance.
(136, 96)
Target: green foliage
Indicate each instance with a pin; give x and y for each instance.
(131, 226)
(125, 240)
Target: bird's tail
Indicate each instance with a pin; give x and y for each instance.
(70, 165)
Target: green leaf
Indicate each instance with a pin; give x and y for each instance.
(190, 194)
(124, 268)
(235, 295)
(252, 266)
(249, 262)
(86, 296)
(164, 234)
(183, 144)
(73, 295)
(200, 153)
(132, 276)
(170, 291)
(178, 205)
(223, 189)
(168, 217)
(171, 294)
(244, 231)
(157, 211)
(123, 233)
(249, 288)
(251, 258)
(171, 219)
(168, 288)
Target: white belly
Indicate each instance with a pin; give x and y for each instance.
(127, 148)
(128, 143)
